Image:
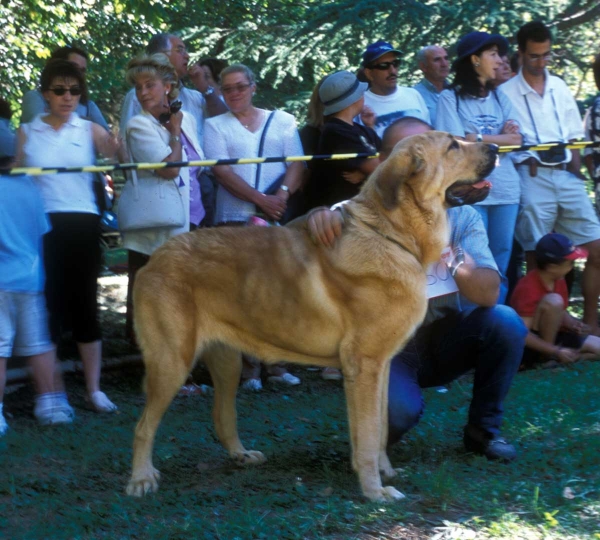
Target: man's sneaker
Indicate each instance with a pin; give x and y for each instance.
(286, 378)
(3, 424)
(53, 408)
(252, 385)
(486, 444)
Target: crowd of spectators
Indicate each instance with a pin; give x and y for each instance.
(538, 204)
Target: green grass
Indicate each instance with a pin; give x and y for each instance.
(68, 482)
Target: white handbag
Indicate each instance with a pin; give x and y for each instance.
(150, 203)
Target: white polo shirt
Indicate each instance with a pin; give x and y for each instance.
(554, 115)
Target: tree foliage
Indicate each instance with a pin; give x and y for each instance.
(290, 44)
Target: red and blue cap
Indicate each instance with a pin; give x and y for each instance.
(555, 248)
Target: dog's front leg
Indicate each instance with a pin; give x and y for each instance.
(364, 384)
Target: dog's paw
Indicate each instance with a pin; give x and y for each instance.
(388, 473)
(385, 494)
(249, 457)
(138, 487)
(386, 470)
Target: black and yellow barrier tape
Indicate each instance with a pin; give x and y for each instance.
(36, 171)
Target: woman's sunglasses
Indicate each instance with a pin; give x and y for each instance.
(74, 91)
(384, 66)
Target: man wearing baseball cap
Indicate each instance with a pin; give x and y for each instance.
(541, 299)
(342, 96)
(388, 100)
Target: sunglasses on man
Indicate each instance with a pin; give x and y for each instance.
(384, 66)
(74, 91)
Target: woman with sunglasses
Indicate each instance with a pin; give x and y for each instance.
(242, 188)
(473, 111)
(60, 138)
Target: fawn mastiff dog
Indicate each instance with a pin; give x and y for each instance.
(274, 294)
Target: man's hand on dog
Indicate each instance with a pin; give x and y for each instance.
(324, 226)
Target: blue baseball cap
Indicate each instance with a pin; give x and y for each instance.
(377, 50)
(555, 248)
(474, 41)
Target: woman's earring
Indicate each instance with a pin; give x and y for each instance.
(477, 64)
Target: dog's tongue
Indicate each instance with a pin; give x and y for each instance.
(482, 184)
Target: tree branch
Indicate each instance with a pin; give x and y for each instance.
(579, 18)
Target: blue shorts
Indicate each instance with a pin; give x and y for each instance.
(23, 324)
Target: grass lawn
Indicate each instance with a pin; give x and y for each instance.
(68, 482)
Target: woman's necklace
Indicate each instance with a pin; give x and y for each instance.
(252, 122)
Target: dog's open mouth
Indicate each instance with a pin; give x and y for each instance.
(461, 193)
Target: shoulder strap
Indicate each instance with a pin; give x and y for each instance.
(261, 146)
(457, 98)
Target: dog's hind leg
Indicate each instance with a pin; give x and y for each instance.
(225, 366)
(364, 392)
(166, 371)
(385, 467)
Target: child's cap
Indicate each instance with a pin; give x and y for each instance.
(555, 247)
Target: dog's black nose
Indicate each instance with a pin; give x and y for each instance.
(493, 147)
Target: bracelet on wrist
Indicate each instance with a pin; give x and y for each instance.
(454, 268)
(175, 138)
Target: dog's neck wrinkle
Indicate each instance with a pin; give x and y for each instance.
(402, 227)
(382, 225)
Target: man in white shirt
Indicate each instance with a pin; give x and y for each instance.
(201, 103)
(553, 196)
(433, 62)
(388, 100)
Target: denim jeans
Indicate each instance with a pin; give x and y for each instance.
(500, 221)
(489, 340)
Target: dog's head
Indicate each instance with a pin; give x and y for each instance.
(435, 166)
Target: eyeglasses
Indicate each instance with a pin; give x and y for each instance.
(235, 88)
(73, 90)
(384, 66)
(548, 57)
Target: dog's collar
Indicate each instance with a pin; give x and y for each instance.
(345, 212)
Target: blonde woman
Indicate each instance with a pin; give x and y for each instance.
(155, 135)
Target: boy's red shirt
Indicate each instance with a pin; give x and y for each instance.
(531, 289)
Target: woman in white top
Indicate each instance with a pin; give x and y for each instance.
(72, 256)
(237, 134)
(155, 135)
(474, 111)
(241, 192)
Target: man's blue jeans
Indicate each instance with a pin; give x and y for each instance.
(488, 340)
(500, 221)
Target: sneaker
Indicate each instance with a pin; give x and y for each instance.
(3, 424)
(100, 402)
(286, 378)
(493, 447)
(53, 408)
(331, 374)
(252, 385)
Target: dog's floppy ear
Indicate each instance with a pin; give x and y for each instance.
(401, 165)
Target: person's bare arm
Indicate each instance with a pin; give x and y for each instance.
(214, 104)
(479, 285)
(369, 165)
(271, 205)
(293, 180)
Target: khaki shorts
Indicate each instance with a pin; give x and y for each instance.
(23, 324)
(554, 200)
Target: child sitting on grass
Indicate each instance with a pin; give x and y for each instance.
(23, 317)
(541, 299)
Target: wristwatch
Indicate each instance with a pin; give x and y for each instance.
(208, 92)
(175, 138)
(479, 137)
(285, 188)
